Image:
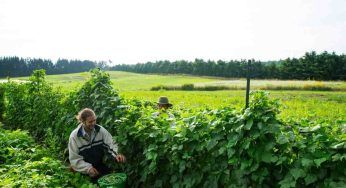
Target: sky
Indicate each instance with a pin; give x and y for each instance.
(138, 31)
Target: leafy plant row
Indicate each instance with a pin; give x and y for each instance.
(2, 101)
(208, 148)
(216, 148)
(26, 164)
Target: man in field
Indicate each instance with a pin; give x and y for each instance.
(89, 143)
(163, 105)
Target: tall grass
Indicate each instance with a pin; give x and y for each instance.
(319, 86)
(326, 105)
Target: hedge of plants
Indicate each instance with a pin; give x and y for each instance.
(23, 163)
(2, 101)
(205, 148)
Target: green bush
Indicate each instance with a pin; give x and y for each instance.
(188, 87)
(2, 101)
(191, 87)
(32, 105)
(205, 148)
(25, 164)
(97, 94)
(168, 88)
(214, 88)
(223, 147)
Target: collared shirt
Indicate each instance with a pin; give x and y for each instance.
(86, 136)
(87, 151)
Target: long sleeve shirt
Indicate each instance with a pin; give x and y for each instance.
(87, 151)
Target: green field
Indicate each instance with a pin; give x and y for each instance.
(125, 81)
(300, 144)
(295, 104)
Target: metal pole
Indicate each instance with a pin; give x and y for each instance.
(248, 83)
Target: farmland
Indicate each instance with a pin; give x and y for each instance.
(214, 142)
(329, 105)
(125, 81)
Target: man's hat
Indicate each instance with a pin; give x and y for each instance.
(164, 100)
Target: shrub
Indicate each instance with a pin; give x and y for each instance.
(25, 164)
(224, 147)
(188, 87)
(32, 105)
(206, 148)
(2, 101)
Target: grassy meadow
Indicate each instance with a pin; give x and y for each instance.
(296, 102)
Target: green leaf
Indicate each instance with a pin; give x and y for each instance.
(315, 128)
(232, 161)
(260, 125)
(248, 124)
(174, 178)
(318, 162)
(212, 144)
(269, 146)
(244, 164)
(222, 150)
(310, 178)
(307, 162)
(274, 159)
(287, 182)
(297, 173)
(230, 152)
(246, 144)
(233, 141)
(182, 165)
(282, 139)
(266, 157)
(165, 137)
(238, 129)
(339, 145)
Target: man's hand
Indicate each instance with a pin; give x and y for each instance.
(93, 172)
(120, 158)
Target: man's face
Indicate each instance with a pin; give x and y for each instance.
(163, 106)
(90, 123)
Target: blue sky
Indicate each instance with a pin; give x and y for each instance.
(134, 31)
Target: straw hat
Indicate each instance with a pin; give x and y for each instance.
(164, 100)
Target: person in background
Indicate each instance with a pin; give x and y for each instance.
(88, 144)
(163, 107)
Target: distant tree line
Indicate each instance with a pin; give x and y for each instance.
(312, 66)
(15, 66)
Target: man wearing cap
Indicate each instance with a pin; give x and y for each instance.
(163, 105)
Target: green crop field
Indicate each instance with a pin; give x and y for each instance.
(125, 81)
(294, 104)
(211, 136)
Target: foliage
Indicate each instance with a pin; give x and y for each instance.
(32, 105)
(15, 66)
(2, 101)
(315, 106)
(24, 164)
(113, 179)
(188, 87)
(205, 148)
(97, 94)
(214, 148)
(312, 66)
(318, 156)
(36, 107)
(191, 87)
